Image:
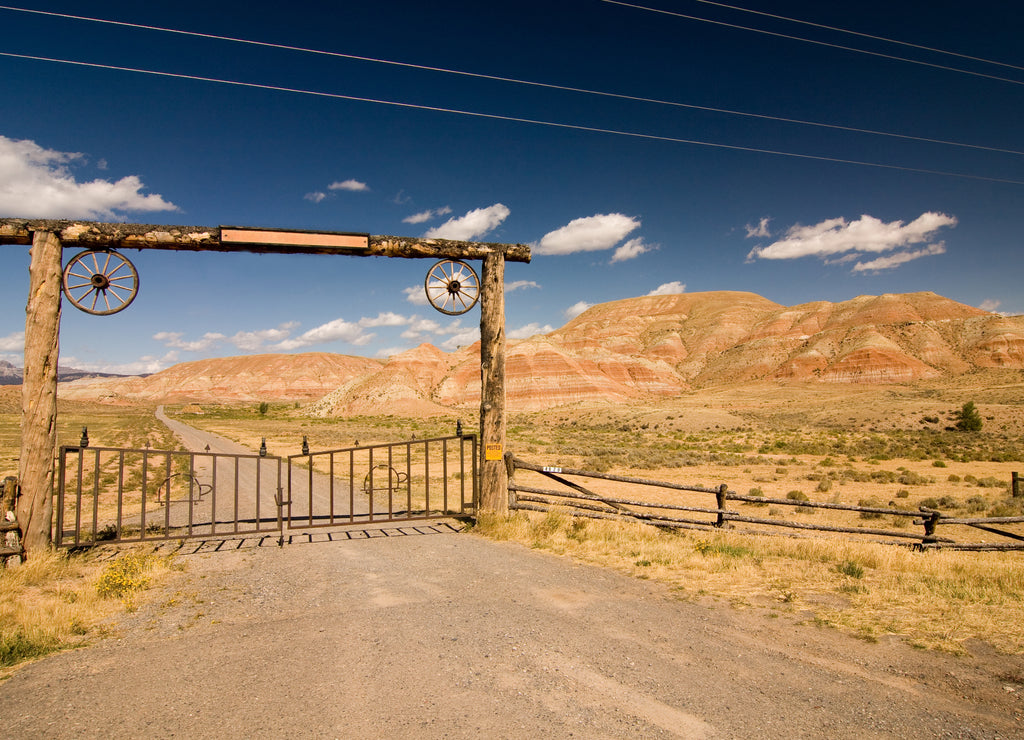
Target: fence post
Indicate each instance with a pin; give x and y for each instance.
(930, 524)
(720, 495)
(510, 469)
(1015, 484)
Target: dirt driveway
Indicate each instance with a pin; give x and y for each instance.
(427, 632)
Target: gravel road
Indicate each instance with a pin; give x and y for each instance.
(430, 632)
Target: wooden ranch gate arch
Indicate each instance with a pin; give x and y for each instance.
(48, 238)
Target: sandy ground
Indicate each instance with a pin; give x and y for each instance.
(429, 632)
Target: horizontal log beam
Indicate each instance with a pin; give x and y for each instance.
(96, 235)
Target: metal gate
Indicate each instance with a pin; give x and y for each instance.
(403, 481)
(111, 494)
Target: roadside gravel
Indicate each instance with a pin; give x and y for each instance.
(430, 632)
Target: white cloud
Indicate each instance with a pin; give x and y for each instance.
(36, 183)
(424, 216)
(631, 249)
(669, 288)
(315, 197)
(174, 339)
(760, 231)
(530, 330)
(589, 234)
(474, 224)
(416, 295)
(419, 327)
(333, 331)
(990, 304)
(13, 342)
(900, 258)
(352, 186)
(866, 235)
(519, 284)
(576, 309)
(463, 338)
(387, 318)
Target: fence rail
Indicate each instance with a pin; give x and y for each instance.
(582, 501)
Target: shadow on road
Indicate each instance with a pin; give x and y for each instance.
(271, 539)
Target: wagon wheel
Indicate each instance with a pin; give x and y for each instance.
(100, 281)
(452, 287)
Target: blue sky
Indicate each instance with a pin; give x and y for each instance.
(620, 194)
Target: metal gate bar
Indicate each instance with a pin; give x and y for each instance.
(382, 486)
(109, 494)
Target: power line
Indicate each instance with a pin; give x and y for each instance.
(812, 41)
(511, 80)
(862, 35)
(513, 119)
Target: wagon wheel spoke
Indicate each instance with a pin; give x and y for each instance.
(100, 281)
(452, 287)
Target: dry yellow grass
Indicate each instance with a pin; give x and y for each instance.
(55, 600)
(932, 599)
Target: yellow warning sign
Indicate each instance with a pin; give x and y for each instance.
(492, 452)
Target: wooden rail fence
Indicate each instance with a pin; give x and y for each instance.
(583, 501)
(10, 531)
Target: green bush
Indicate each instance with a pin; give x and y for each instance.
(851, 568)
(797, 496)
(968, 419)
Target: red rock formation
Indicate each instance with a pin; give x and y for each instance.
(624, 350)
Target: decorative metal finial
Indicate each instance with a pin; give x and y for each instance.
(458, 428)
(305, 445)
(263, 447)
(84, 442)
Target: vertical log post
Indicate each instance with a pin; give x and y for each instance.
(720, 496)
(39, 394)
(1015, 484)
(930, 524)
(493, 475)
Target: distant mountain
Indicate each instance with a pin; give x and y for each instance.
(11, 375)
(624, 350)
(303, 377)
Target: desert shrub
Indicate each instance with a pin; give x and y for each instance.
(825, 484)
(1008, 507)
(943, 502)
(910, 478)
(797, 496)
(976, 504)
(873, 503)
(990, 482)
(755, 492)
(938, 463)
(953, 478)
(902, 493)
